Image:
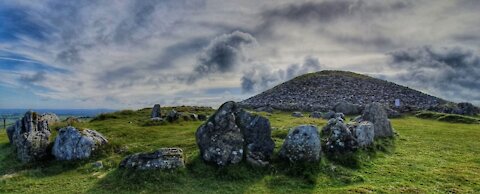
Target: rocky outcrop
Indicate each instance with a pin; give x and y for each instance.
(302, 144)
(322, 90)
(163, 158)
(51, 118)
(376, 114)
(72, 144)
(347, 108)
(30, 137)
(297, 114)
(156, 112)
(231, 133)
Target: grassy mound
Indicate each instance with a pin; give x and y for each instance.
(427, 157)
(452, 118)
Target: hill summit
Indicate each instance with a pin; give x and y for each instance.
(320, 91)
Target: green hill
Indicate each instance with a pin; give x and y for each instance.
(428, 156)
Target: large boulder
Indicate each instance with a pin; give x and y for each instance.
(220, 139)
(224, 136)
(163, 158)
(302, 144)
(256, 132)
(339, 137)
(51, 118)
(364, 133)
(376, 114)
(346, 108)
(31, 137)
(72, 144)
(156, 112)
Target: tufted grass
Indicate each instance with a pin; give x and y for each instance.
(428, 156)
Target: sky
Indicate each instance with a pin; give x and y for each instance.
(125, 54)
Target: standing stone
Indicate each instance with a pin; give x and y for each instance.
(30, 137)
(364, 133)
(220, 140)
(302, 144)
(339, 138)
(376, 114)
(163, 158)
(297, 114)
(72, 144)
(257, 135)
(156, 112)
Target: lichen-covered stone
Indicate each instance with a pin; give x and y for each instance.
(339, 138)
(31, 137)
(302, 144)
(163, 158)
(72, 144)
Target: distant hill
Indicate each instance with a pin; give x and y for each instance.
(322, 90)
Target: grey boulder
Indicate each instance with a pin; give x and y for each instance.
(346, 108)
(156, 111)
(316, 115)
(302, 144)
(163, 158)
(364, 133)
(72, 144)
(297, 114)
(173, 115)
(376, 114)
(339, 137)
(30, 137)
(51, 118)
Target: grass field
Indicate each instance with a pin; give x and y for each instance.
(428, 156)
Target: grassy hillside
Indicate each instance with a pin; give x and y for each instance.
(429, 156)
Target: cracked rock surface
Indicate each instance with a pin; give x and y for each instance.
(72, 144)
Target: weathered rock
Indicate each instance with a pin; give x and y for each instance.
(316, 115)
(339, 138)
(302, 144)
(364, 133)
(156, 119)
(173, 115)
(72, 144)
(220, 139)
(30, 137)
(163, 158)
(51, 118)
(346, 108)
(72, 120)
(340, 115)
(257, 135)
(297, 114)
(156, 111)
(376, 114)
(10, 131)
(268, 109)
(202, 117)
(328, 115)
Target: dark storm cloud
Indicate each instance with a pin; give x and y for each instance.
(178, 50)
(262, 77)
(452, 72)
(222, 54)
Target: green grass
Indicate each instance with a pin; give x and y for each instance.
(428, 156)
(452, 118)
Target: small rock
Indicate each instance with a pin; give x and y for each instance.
(163, 158)
(297, 114)
(98, 164)
(302, 144)
(193, 117)
(328, 115)
(202, 117)
(316, 115)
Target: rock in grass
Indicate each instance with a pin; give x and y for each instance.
(173, 115)
(376, 114)
(30, 137)
(340, 139)
(297, 114)
(72, 144)
(364, 133)
(231, 133)
(328, 115)
(346, 108)
(156, 112)
(163, 158)
(316, 115)
(72, 120)
(193, 117)
(256, 132)
(51, 118)
(202, 117)
(220, 139)
(302, 144)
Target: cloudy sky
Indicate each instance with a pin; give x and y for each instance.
(132, 54)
